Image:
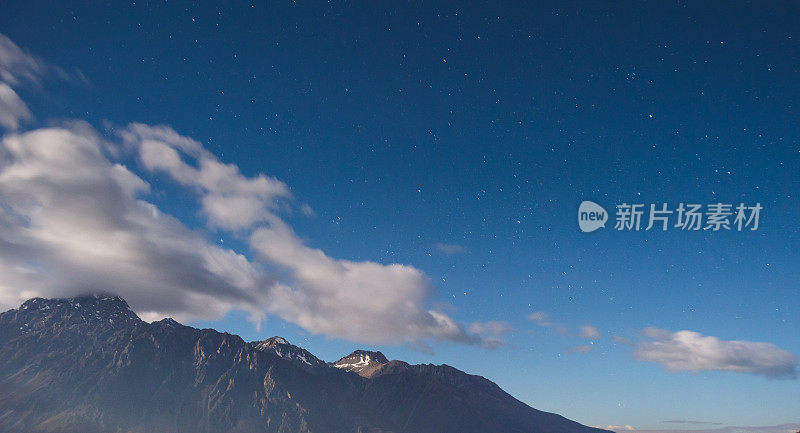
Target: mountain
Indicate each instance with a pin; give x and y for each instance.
(289, 352)
(90, 365)
(362, 362)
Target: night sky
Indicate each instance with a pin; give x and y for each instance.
(460, 140)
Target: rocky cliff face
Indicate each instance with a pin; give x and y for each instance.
(89, 364)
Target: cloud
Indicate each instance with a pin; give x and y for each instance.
(622, 340)
(582, 349)
(782, 428)
(491, 333)
(72, 221)
(683, 421)
(229, 199)
(75, 221)
(17, 65)
(542, 319)
(694, 352)
(307, 210)
(12, 110)
(618, 428)
(589, 331)
(17, 68)
(493, 328)
(361, 301)
(450, 249)
(539, 317)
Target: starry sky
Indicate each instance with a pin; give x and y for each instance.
(459, 139)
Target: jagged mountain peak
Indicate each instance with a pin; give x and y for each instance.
(367, 356)
(274, 341)
(107, 310)
(168, 322)
(363, 362)
(96, 300)
(127, 376)
(279, 346)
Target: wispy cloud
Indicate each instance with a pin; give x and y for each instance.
(307, 210)
(450, 249)
(491, 333)
(585, 348)
(589, 331)
(17, 65)
(229, 199)
(618, 428)
(622, 340)
(685, 421)
(544, 320)
(13, 110)
(694, 352)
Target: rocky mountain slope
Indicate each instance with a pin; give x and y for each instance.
(89, 364)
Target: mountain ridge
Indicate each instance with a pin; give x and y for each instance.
(89, 364)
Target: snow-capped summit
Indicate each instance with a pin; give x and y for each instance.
(363, 362)
(285, 350)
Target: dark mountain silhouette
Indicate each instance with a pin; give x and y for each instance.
(89, 364)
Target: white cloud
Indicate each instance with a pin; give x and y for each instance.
(17, 65)
(450, 249)
(13, 110)
(360, 301)
(491, 333)
(229, 199)
(694, 352)
(72, 222)
(491, 327)
(589, 331)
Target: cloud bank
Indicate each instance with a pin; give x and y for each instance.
(694, 352)
(72, 222)
(74, 219)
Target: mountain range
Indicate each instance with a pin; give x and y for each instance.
(89, 364)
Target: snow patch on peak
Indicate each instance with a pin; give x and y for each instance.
(279, 346)
(363, 362)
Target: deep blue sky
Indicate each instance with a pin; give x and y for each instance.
(485, 125)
